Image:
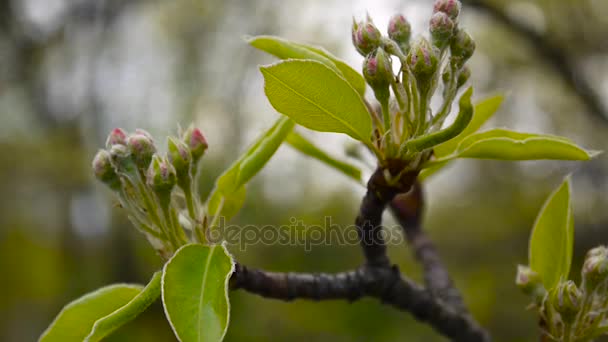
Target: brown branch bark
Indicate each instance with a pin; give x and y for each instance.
(369, 220)
(407, 210)
(376, 278)
(385, 284)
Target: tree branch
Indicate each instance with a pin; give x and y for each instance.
(369, 220)
(552, 53)
(385, 284)
(407, 210)
(376, 278)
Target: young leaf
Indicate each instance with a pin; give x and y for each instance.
(316, 97)
(195, 292)
(301, 144)
(508, 145)
(76, 319)
(552, 238)
(229, 191)
(465, 115)
(482, 112)
(285, 49)
(108, 324)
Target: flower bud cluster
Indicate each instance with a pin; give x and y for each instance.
(572, 312)
(406, 113)
(144, 180)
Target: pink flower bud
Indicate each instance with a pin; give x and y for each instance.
(462, 47)
(197, 143)
(441, 28)
(116, 137)
(449, 7)
(180, 157)
(377, 69)
(161, 176)
(400, 31)
(423, 60)
(567, 300)
(142, 149)
(529, 282)
(366, 37)
(104, 171)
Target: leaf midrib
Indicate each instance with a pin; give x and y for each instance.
(204, 282)
(313, 103)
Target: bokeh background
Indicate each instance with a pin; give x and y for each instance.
(70, 70)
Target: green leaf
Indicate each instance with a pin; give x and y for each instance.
(108, 324)
(228, 196)
(285, 49)
(195, 292)
(552, 238)
(316, 97)
(482, 113)
(303, 145)
(508, 145)
(76, 319)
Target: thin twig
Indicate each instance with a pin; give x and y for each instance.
(407, 210)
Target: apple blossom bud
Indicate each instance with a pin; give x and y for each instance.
(180, 157)
(595, 270)
(442, 29)
(462, 47)
(567, 300)
(464, 76)
(449, 7)
(122, 160)
(377, 69)
(104, 171)
(366, 37)
(400, 31)
(116, 137)
(142, 149)
(423, 60)
(529, 282)
(194, 139)
(161, 176)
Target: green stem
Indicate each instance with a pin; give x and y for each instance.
(447, 101)
(165, 204)
(462, 121)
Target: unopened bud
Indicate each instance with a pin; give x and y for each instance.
(180, 157)
(377, 69)
(600, 251)
(462, 47)
(116, 137)
(366, 37)
(442, 29)
(194, 139)
(464, 76)
(529, 282)
(594, 271)
(121, 160)
(104, 171)
(423, 60)
(142, 149)
(449, 7)
(400, 31)
(567, 299)
(161, 176)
